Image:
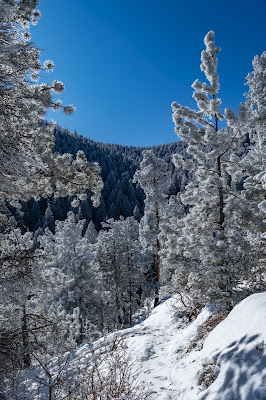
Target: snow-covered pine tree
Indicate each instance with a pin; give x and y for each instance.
(33, 323)
(136, 213)
(29, 168)
(154, 178)
(91, 233)
(211, 241)
(119, 259)
(72, 254)
(49, 221)
(173, 265)
(255, 165)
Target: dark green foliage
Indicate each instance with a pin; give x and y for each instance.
(118, 165)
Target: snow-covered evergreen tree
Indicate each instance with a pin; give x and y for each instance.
(49, 219)
(28, 167)
(119, 259)
(256, 126)
(72, 253)
(173, 265)
(154, 178)
(91, 233)
(254, 165)
(33, 324)
(211, 241)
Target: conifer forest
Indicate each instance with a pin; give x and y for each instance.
(127, 272)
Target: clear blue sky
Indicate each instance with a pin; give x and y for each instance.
(123, 62)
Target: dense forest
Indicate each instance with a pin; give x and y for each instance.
(119, 197)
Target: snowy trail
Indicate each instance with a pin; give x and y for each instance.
(235, 350)
(157, 347)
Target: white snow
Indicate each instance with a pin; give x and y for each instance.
(239, 344)
(234, 352)
(157, 348)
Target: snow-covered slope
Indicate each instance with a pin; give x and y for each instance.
(233, 356)
(175, 361)
(232, 359)
(238, 344)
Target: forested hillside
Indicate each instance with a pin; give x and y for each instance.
(119, 197)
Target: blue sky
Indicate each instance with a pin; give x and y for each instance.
(123, 62)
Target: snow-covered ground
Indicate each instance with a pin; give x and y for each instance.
(232, 359)
(229, 364)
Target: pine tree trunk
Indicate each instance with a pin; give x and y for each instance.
(157, 260)
(221, 193)
(129, 261)
(117, 287)
(117, 302)
(221, 197)
(81, 328)
(222, 286)
(25, 338)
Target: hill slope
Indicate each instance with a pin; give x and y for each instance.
(120, 195)
(180, 360)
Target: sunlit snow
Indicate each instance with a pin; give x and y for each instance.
(170, 359)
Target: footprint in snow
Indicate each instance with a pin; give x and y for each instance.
(161, 378)
(145, 372)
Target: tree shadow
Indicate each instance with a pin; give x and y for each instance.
(243, 364)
